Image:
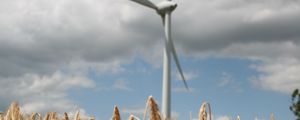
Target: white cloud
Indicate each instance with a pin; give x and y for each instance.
(277, 64)
(188, 75)
(43, 93)
(121, 85)
(228, 81)
(282, 75)
(48, 47)
(261, 15)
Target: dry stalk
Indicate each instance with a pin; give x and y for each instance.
(47, 116)
(77, 116)
(272, 117)
(13, 112)
(116, 115)
(92, 118)
(154, 111)
(53, 116)
(238, 118)
(1, 116)
(203, 113)
(131, 117)
(33, 116)
(66, 117)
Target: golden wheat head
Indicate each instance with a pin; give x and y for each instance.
(77, 116)
(238, 118)
(13, 112)
(202, 112)
(154, 111)
(116, 115)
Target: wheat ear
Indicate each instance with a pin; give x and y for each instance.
(77, 116)
(116, 115)
(238, 118)
(66, 117)
(203, 113)
(154, 111)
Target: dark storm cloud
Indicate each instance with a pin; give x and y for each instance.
(212, 27)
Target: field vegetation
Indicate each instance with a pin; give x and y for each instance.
(14, 113)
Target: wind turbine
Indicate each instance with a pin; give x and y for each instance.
(164, 9)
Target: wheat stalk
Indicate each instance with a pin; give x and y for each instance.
(92, 118)
(77, 116)
(238, 118)
(53, 116)
(66, 117)
(13, 112)
(116, 115)
(203, 113)
(154, 111)
(47, 117)
(131, 117)
(33, 116)
(1, 116)
(272, 116)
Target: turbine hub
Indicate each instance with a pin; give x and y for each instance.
(166, 6)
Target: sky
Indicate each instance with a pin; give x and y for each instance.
(241, 56)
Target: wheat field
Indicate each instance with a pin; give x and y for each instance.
(14, 113)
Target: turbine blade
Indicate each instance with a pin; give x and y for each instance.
(146, 3)
(171, 45)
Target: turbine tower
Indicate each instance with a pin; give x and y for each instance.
(164, 9)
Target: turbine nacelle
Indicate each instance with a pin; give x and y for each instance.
(165, 6)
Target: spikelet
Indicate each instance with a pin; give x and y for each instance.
(238, 118)
(33, 116)
(53, 116)
(1, 116)
(47, 116)
(131, 117)
(13, 112)
(66, 117)
(116, 115)
(154, 111)
(7, 116)
(92, 118)
(77, 116)
(202, 112)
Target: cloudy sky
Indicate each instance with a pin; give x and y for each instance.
(242, 56)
